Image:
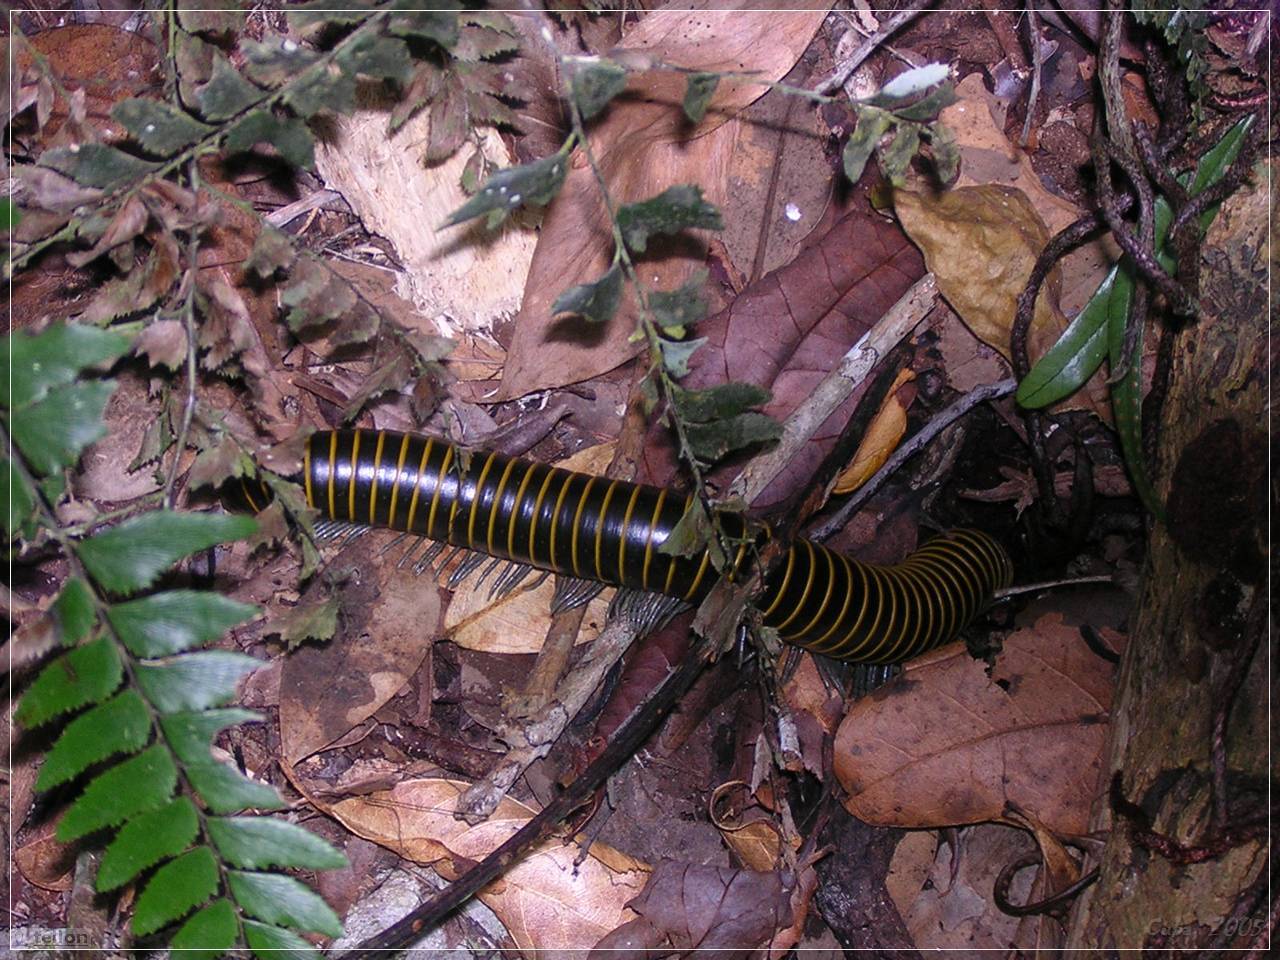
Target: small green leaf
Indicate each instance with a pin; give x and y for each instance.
(719, 402)
(160, 128)
(190, 734)
(289, 135)
(691, 533)
(146, 840)
(308, 17)
(676, 208)
(10, 216)
(131, 556)
(439, 25)
(258, 842)
(274, 62)
(137, 785)
(227, 92)
(194, 681)
(18, 498)
(676, 354)
(913, 81)
(698, 92)
(712, 441)
(537, 182)
(330, 89)
(872, 125)
(52, 433)
(680, 308)
(1072, 360)
(74, 611)
(208, 934)
(225, 790)
(594, 83)
(946, 152)
(314, 617)
(121, 725)
(282, 900)
(272, 943)
(97, 165)
(175, 890)
(896, 157)
(32, 365)
(272, 251)
(87, 674)
(177, 620)
(383, 58)
(596, 302)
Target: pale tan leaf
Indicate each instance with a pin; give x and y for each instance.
(545, 900)
(164, 343)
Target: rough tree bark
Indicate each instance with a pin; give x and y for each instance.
(1201, 620)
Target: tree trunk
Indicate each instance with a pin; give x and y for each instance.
(1195, 649)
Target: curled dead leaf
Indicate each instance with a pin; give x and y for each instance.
(881, 439)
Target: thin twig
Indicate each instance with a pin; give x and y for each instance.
(909, 449)
(1006, 35)
(189, 327)
(1051, 585)
(837, 386)
(1037, 65)
(844, 70)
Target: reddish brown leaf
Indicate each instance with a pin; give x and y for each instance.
(164, 343)
(643, 145)
(948, 744)
(787, 330)
(687, 906)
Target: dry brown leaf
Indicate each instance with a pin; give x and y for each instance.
(392, 617)
(518, 621)
(643, 145)
(982, 243)
(546, 901)
(948, 905)
(881, 439)
(948, 744)
(165, 343)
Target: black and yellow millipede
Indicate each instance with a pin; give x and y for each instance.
(611, 531)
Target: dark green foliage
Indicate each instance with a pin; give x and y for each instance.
(53, 431)
(175, 890)
(676, 310)
(1098, 331)
(227, 93)
(33, 364)
(698, 92)
(132, 555)
(121, 725)
(257, 842)
(382, 58)
(137, 785)
(675, 209)
(268, 941)
(97, 165)
(288, 135)
(194, 681)
(710, 442)
(88, 674)
(146, 840)
(440, 25)
(593, 83)
(168, 623)
(226, 790)
(719, 402)
(160, 128)
(872, 125)
(909, 105)
(273, 62)
(597, 301)
(537, 182)
(676, 354)
(190, 733)
(209, 933)
(74, 611)
(282, 900)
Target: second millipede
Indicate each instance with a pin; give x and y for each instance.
(611, 531)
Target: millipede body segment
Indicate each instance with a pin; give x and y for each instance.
(611, 531)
